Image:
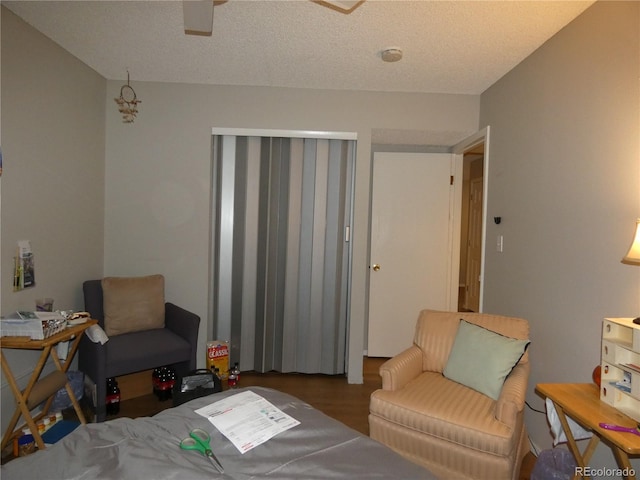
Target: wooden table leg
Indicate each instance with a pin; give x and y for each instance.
(72, 396)
(582, 459)
(21, 399)
(18, 396)
(72, 350)
(623, 462)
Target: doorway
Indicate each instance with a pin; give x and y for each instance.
(474, 154)
(471, 230)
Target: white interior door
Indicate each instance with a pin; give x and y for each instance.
(411, 245)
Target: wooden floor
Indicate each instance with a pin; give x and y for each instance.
(330, 394)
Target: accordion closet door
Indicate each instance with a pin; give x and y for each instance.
(281, 250)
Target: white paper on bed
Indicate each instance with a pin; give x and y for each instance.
(247, 419)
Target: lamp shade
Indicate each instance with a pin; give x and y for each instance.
(633, 255)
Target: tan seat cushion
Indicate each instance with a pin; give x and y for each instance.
(433, 405)
(132, 304)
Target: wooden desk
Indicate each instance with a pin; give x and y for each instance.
(39, 390)
(581, 402)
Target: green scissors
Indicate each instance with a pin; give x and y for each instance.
(199, 440)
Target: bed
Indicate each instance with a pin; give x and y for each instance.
(318, 448)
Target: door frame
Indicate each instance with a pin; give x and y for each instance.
(459, 149)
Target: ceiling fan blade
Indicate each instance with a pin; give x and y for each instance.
(344, 6)
(198, 17)
(198, 14)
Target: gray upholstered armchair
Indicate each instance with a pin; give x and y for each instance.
(130, 350)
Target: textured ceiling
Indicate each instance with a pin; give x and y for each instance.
(449, 46)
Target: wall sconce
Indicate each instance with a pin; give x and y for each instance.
(127, 102)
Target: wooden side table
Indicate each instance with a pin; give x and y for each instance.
(581, 402)
(41, 389)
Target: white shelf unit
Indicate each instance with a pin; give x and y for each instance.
(620, 377)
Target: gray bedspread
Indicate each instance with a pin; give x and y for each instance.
(148, 448)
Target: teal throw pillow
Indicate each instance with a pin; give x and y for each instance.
(482, 359)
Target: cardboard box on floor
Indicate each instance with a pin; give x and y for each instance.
(218, 357)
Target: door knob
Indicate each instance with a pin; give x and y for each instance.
(376, 267)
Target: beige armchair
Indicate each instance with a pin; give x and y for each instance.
(448, 427)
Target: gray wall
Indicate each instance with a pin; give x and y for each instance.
(564, 177)
(53, 144)
(158, 174)
(135, 198)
